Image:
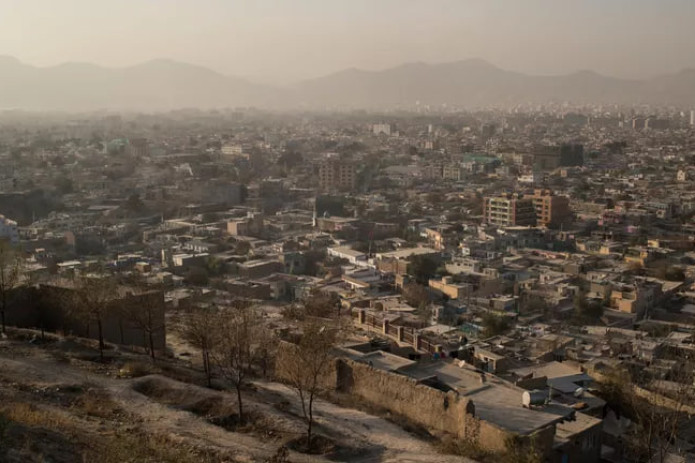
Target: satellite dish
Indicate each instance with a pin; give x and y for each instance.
(579, 392)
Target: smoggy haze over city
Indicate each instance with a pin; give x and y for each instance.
(283, 41)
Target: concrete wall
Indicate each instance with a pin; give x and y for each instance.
(436, 410)
(49, 307)
(424, 405)
(584, 447)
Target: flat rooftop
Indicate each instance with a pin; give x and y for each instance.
(496, 401)
(405, 253)
(565, 431)
(384, 361)
(347, 250)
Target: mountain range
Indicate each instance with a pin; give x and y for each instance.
(165, 84)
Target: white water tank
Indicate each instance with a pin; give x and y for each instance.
(529, 398)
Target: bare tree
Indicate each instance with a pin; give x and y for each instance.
(237, 334)
(657, 410)
(91, 299)
(416, 295)
(198, 328)
(46, 316)
(307, 367)
(11, 271)
(265, 351)
(144, 309)
(322, 304)
(147, 315)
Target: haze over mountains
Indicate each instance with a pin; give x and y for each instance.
(165, 84)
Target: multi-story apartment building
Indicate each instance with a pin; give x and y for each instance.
(551, 210)
(452, 172)
(139, 147)
(386, 129)
(510, 210)
(336, 175)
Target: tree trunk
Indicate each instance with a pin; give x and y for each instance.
(241, 408)
(206, 366)
(150, 333)
(120, 328)
(311, 422)
(101, 340)
(205, 362)
(151, 339)
(2, 310)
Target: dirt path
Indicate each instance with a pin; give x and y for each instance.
(159, 419)
(398, 445)
(367, 438)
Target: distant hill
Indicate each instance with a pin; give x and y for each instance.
(478, 83)
(165, 84)
(157, 84)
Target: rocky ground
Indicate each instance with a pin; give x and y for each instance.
(58, 403)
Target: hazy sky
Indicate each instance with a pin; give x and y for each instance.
(286, 40)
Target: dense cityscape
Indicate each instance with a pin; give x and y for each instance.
(516, 284)
(360, 231)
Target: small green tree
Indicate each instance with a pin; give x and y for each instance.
(197, 276)
(494, 325)
(422, 268)
(242, 247)
(585, 310)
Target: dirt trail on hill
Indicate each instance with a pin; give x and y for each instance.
(363, 437)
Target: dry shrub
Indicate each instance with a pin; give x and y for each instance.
(465, 448)
(136, 370)
(34, 416)
(261, 425)
(293, 312)
(142, 448)
(282, 455)
(98, 404)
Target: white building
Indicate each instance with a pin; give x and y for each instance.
(234, 151)
(356, 258)
(386, 129)
(8, 230)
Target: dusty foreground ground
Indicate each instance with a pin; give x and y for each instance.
(57, 404)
